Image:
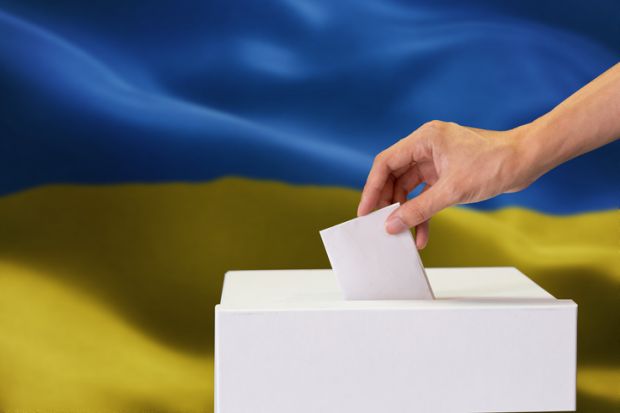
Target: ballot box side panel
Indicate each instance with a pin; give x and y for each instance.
(447, 360)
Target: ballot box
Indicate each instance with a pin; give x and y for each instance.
(491, 341)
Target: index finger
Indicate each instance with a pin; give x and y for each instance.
(397, 156)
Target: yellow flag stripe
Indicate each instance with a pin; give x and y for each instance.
(107, 292)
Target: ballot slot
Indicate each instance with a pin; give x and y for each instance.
(371, 264)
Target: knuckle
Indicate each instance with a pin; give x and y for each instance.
(379, 158)
(433, 126)
(415, 215)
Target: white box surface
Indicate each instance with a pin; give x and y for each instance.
(492, 341)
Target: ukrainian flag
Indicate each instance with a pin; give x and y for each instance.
(148, 147)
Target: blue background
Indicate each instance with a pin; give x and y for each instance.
(302, 92)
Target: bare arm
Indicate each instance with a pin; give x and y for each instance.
(588, 119)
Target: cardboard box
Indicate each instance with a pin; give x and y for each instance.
(491, 341)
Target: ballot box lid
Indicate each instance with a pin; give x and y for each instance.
(474, 287)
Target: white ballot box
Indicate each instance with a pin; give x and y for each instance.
(491, 341)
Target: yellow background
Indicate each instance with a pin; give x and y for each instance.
(107, 292)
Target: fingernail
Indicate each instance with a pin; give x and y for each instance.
(394, 225)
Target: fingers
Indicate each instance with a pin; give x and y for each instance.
(406, 183)
(422, 234)
(422, 231)
(390, 163)
(373, 188)
(375, 184)
(418, 210)
(387, 194)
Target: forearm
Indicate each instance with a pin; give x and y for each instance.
(588, 119)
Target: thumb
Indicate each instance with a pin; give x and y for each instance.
(417, 210)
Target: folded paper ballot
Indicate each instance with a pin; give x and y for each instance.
(371, 264)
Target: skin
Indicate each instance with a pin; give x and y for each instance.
(460, 164)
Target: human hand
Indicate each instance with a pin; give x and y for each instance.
(458, 165)
(461, 165)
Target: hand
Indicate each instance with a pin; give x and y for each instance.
(461, 165)
(458, 165)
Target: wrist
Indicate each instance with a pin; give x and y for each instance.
(525, 162)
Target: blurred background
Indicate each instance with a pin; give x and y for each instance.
(148, 147)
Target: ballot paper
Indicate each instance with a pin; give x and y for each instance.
(371, 264)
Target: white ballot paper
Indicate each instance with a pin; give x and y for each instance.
(371, 264)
